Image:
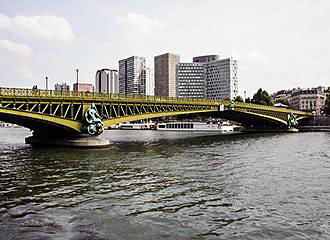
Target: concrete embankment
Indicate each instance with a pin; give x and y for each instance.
(316, 124)
(314, 128)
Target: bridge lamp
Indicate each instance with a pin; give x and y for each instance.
(46, 83)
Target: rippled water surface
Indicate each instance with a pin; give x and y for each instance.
(156, 185)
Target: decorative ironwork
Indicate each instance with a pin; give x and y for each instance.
(94, 121)
(292, 120)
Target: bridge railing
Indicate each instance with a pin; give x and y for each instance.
(20, 92)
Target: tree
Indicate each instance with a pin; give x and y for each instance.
(326, 108)
(238, 99)
(248, 100)
(262, 97)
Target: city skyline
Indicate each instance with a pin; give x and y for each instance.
(276, 45)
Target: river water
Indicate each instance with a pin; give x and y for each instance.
(162, 185)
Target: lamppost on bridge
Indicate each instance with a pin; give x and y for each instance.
(244, 96)
(46, 83)
(77, 87)
(77, 70)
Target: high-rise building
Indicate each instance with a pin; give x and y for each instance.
(62, 87)
(221, 79)
(208, 77)
(132, 77)
(106, 81)
(190, 80)
(165, 74)
(150, 82)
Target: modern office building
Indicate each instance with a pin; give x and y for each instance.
(83, 87)
(106, 81)
(208, 77)
(206, 58)
(62, 87)
(190, 80)
(165, 74)
(150, 82)
(221, 79)
(132, 77)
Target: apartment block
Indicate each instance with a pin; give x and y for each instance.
(190, 80)
(150, 82)
(62, 87)
(221, 79)
(83, 87)
(165, 74)
(106, 81)
(132, 76)
(311, 99)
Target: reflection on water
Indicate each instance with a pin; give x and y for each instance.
(151, 185)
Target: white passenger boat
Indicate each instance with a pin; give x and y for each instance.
(136, 126)
(198, 127)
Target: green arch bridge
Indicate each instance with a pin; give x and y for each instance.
(63, 113)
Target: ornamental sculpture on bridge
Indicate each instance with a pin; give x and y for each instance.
(292, 120)
(93, 120)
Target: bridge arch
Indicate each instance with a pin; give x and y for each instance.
(40, 123)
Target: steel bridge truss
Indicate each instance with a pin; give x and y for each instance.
(107, 110)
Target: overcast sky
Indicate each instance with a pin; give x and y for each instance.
(279, 44)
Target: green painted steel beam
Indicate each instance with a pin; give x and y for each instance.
(75, 126)
(109, 122)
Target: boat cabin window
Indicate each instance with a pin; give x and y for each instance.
(161, 126)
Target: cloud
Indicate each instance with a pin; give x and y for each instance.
(49, 27)
(16, 48)
(141, 24)
(253, 57)
(259, 57)
(26, 73)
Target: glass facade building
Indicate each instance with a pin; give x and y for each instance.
(132, 75)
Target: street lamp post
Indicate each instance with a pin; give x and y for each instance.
(46, 83)
(77, 70)
(244, 95)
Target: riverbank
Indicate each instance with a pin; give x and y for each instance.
(316, 124)
(314, 128)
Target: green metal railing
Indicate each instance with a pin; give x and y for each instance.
(20, 92)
